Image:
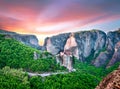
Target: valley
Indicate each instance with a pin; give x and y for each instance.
(25, 67)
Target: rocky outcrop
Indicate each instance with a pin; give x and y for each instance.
(112, 81)
(116, 55)
(71, 42)
(90, 42)
(94, 46)
(36, 55)
(56, 42)
(112, 52)
(101, 59)
(30, 40)
(71, 46)
(65, 60)
(51, 48)
(86, 41)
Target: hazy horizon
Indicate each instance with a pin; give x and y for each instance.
(41, 42)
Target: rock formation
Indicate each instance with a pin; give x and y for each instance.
(30, 40)
(95, 46)
(101, 59)
(65, 60)
(71, 42)
(112, 81)
(36, 55)
(50, 48)
(116, 55)
(71, 46)
(57, 42)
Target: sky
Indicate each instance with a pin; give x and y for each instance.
(45, 18)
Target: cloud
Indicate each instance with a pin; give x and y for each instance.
(56, 16)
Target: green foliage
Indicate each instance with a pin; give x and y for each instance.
(88, 68)
(18, 55)
(13, 79)
(76, 80)
(17, 79)
(90, 57)
(87, 77)
(72, 81)
(36, 82)
(110, 69)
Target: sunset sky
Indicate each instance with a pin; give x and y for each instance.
(49, 17)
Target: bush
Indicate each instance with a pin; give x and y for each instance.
(13, 79)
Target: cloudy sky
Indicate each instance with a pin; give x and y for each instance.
(49, 17)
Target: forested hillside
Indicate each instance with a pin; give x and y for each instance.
(18, 55)
(16, 59)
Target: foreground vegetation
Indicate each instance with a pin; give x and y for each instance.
(17, 79)
(13, 79)
(16, 58)
(81, 79)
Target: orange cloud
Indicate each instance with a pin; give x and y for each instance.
(45, 18)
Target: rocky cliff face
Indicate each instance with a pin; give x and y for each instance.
(29, 40)
(116, 55)
(112, 81)
(95, 46)
(65, 60)
(89, 43)
(56, 44)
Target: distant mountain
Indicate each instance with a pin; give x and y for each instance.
(94, 47)
(6, 32)
(30, 40)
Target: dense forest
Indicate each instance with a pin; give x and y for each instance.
(18, 55)
(16, 59)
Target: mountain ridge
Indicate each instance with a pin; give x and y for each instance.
(27, 39)
(94, 46)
